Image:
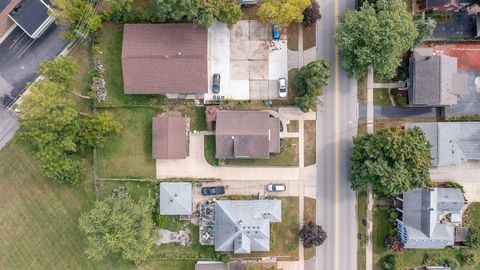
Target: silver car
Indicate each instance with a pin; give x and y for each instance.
(282, 88)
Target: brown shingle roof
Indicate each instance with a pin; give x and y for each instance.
(164, 58)
(246, 134)
(169, 137)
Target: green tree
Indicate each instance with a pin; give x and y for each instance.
(389, 262)
(425, 29)
(392, 160)
(312, 235)
(62, 70)
(79, 15)
(309, 83)
(311, 14)
(282, 12)
(94, 131)
(473, 238)
(118, 225)
(229, 11)
(377, 34)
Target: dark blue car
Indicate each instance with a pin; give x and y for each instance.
(208, 191)
(275, 32)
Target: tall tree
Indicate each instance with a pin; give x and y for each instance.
(282, 12)
(425, 29)
(377, 34)
(309, 83)
(79, 15)
(392, 160)
(312, 235)
(311, 14)
(62, 70)
(118, 225)
(229, 11)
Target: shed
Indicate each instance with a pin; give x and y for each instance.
(175, 198)
(169, 136)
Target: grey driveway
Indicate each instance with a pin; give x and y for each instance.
(461, 25)
(20, 57)
(399, 112)
(336, 202)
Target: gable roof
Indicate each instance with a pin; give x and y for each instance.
(244, 226)
(452, 142)
(175, 198)
(422, 211)
(164, 58)
(246, 134)
(433, 79)
(169, 137)
(32, 16)
(440, 3)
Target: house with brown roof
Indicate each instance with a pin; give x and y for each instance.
(169, 137)
(167, 59)
(246, 134)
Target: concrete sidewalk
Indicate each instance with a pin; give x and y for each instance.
(195, 166)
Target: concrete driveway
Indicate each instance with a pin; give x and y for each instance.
(248, 61)
(195, 166)
(467, 174)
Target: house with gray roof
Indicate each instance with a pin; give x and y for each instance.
(243, 226)
(434, 80)
(428, 217)
(175, 198)
(452, 142)
(246, 134)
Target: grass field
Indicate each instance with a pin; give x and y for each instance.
(362, 230)
(309, 214)
(362, 90)
(292, 37)
(381, 98)
(129, 154)
(310, 147)
(288, 156)
(82, 86)
(292, 126)
(309, 37)
(209, 145)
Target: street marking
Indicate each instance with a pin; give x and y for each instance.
(337, 150)
(25, 48)
(16, 40)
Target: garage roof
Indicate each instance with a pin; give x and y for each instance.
(169, 137)
(164, 58)
(32, 16)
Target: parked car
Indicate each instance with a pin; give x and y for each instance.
(276, 187)
(275, 32)
(216, 83)
(208, 191)
(282, 88)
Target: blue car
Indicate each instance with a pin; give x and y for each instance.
(275, 32)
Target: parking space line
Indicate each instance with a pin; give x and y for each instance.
(16, 40)
(26, 48)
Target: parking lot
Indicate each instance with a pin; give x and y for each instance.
(247, 59)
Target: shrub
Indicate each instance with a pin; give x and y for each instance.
(468, 259)
(473, 238)
(452, 263)
(227, 257)
(451, 184)
(394, 244)
(389, 262)
(292, 247)
(311, 14)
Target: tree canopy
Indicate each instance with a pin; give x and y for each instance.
(425, 29)
(79, 15)
(392, 160)
(53, 129)
(202, 12)
(118, 225)
(312, 235)
(311, 14)
(309, 83)
(473, 238)
(282, 12)
(377, 34)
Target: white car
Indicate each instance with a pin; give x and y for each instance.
(282, 88)
(276, 187)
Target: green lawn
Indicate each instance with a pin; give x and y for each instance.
(137, 190)
(310, 149)
(414, 258)
(362, 230)
(362, 90)
(309, 37)
(209, 146)
(129, 155)
(292, 126)
(110, 43)
(292, 37)
(381, 98)
(288, 156)
(82, 87)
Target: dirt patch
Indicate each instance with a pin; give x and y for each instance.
(250, 12)
(292, 37)
(310, 143)
(309, 37)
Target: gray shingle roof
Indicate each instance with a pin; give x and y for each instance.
(423, 210)
(452, 142)
(32, 16)
(244, 226)
(175, 198)
(433, 79)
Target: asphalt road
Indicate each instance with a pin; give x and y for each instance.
(336, 125)
(400, 112)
